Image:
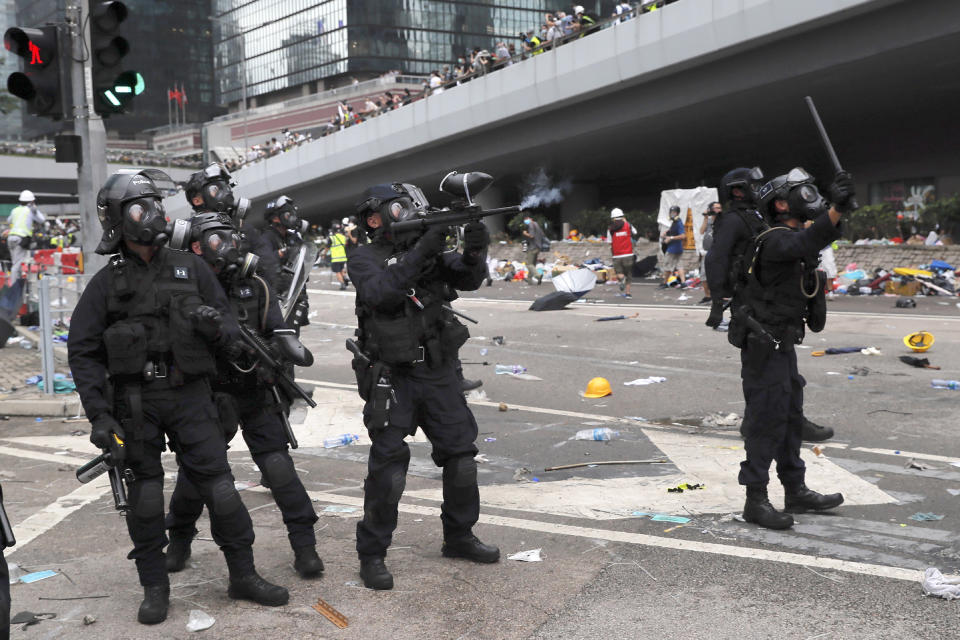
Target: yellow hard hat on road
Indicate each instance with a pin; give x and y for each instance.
(598, 388)
(919, 341)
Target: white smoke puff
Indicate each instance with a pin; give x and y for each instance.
(541, 191)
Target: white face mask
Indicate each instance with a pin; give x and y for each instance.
(527, 221)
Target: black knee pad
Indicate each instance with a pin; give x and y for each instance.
(398, 482)
(224, 496)
(463, 471)
(149, 500)
(278, 468)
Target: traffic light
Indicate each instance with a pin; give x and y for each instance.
(39, 83)
(113, 88)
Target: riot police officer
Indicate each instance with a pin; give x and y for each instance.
(211, 190)
(279, 243)
(779, 290)
(733, 230)
(242, 398)
(408, 378)
(141, 352)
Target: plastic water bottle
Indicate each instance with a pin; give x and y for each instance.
(945, 384)
(340, 441)
(600, 433)
(510, 368)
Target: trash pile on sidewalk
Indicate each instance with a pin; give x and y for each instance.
(936, 278)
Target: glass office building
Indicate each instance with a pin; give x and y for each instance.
(281, 45)
(171, 45)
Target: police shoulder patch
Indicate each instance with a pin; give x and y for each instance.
(181, 273)
(245, 292)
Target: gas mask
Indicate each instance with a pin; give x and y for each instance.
(144, 221)
(800, 193)
(221, 250)
(216, 190)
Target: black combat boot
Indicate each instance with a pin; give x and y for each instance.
(469, 547)
(307, 563)
(470, 385)
(178, 552)
(374, 573)
(253, 587)
(799, 499)
(813, 432)
(759, 510)
(156, 601)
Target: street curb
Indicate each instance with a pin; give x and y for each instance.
(62, 407)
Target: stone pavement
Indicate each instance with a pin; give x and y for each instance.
(16, 365)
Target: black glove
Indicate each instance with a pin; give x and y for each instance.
(716, 313)
(431, 244)
(238, 351)
(476, 238)
(842, 192)
(101, 435)
(207, 321)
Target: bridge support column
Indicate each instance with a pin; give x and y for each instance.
(584, 195)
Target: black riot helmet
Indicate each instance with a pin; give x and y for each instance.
(215, 186)
(395, 202)
(220, 244)
(130, 207)
(746, 181)
(285, 210)
(797, 189)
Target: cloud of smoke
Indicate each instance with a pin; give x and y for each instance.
(540, 190)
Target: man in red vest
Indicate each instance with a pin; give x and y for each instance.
(620, 236)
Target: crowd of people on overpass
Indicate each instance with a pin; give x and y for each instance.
(557, 28)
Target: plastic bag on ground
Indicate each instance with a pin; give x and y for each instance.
(199, 620)
(533, 555)
(936, 584)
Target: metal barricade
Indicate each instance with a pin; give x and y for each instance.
(56, 295)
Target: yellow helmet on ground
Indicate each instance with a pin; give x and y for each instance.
(919, 341)
(598, 388)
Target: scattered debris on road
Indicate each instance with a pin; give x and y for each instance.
(199, 620)
(331, 614)
(533, 555)
(936, 584)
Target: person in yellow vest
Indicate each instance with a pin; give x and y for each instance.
(338, 254)
(22, 218)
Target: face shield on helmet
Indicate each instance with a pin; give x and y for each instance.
(797, 189)
(741, 185)
(285, 209)
(394, 202)
(129, 206)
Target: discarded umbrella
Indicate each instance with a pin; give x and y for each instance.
(920, 363)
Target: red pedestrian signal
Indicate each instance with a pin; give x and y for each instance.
(39, 84)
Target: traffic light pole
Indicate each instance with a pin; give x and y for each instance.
(92, 168)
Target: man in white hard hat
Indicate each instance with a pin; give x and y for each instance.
(620, 236)
(22, 219)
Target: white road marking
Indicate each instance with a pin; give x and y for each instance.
(896, 573)
(713, 462)
(906, 455)
(55, 512)
(39, 455)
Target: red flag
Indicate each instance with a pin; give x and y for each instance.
(171, 95)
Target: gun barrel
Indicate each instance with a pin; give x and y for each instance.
(291, 436)
(355, 349)
(449, 219)
(118, 489)
(263, 354)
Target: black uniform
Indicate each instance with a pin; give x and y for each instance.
(263, 429)
(732, 230)
(133, 322)
(4, 586)
(419, 346)
(271, 247)
(772, 386)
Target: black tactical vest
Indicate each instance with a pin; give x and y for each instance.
(148, 311)
(411, 333)
(777, 300)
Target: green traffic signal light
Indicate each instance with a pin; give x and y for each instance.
(113, 91)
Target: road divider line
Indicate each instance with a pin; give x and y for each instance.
(39, 455)
(54, 513)
(750, 553)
